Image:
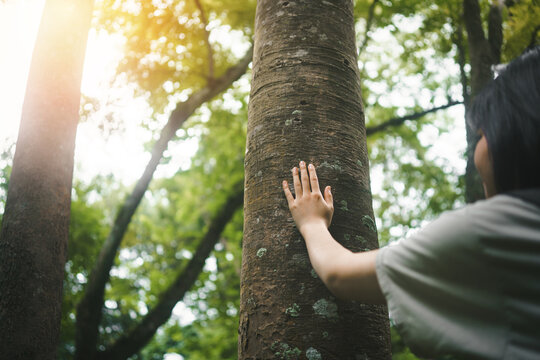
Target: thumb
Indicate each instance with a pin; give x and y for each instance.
(328, 196)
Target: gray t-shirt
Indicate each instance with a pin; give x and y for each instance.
(468, 284)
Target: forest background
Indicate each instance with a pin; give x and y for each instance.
(146, 59)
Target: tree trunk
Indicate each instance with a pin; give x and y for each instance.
(305, 104)
(483, 53)
(33, 239)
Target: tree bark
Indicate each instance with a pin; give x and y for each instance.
(483, 53)
(305, 104)
(33, 239)
(139, 336)
(89, 309)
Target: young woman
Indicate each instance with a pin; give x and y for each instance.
(468, 284)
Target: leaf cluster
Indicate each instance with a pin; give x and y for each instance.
(166, 52)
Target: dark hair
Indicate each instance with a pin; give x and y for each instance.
(507, 110)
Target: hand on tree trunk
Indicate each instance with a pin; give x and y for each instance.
(310, 207)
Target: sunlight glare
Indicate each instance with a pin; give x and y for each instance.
(19, 22)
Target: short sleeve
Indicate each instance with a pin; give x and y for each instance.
(438, 291)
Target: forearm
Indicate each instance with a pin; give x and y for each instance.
(325, 253)
(347, 275)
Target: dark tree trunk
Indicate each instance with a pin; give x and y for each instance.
(33, 239)
(483, 53)
(305, 104)
(90, 307)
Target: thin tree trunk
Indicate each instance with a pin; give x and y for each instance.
(141, 334)
(462, 61)
(33, 239)
(483, 53)
(305, 104)
(89, 309)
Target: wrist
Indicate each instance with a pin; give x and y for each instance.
(312, 226)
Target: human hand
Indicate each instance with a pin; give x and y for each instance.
(310, 207)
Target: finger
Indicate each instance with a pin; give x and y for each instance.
(305, 177)
(328, 196)
(313, 179)
(287, 192)
(296, 182)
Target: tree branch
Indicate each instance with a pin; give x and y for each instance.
(369, 23)
(473, 21)
(495, 30)
(89, 308)
(480, 49)
(207, 40)
(400, 120)
(139, 336)
(462, 61)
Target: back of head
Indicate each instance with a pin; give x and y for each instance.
(508, 112)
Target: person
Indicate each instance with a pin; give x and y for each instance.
(468, 284)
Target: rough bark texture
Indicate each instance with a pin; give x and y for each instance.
(305, 105)
(90, 307)
(139, 336)
(33, 239)
(483, 53)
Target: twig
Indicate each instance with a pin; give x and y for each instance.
(207, 39)
(369, 23)
(400, 120)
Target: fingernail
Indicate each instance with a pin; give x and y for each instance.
(284, 183)
(311, 166)
(302, 163)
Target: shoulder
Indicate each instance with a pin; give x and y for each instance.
(503, 216)
(446, 284)
(493, 209)
(463, 235)
(492, 215)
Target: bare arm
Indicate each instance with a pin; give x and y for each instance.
(347, 275)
